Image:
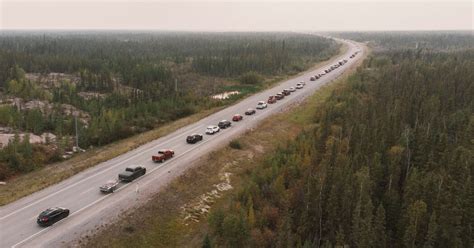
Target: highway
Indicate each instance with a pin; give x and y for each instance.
(90, 208)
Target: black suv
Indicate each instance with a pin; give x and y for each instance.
(224, 124)
(193, 138)
(52, 215)
(250, 111)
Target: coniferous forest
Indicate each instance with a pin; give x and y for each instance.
(388, 161)
(123, 83)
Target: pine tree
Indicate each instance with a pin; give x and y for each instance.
(379, 228)
(415, 214)
(430, 239)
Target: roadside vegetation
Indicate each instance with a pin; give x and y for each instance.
(177, 215)
(383, 159)
(122, 84)
(388, 162)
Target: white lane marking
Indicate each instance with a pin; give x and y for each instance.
(92, 176)
(105, 196)
(105, 170)
(87, 191)
(123, 187)
(76, 212)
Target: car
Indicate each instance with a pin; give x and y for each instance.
(303, 83)
(132, 173)
(193, 138)
(224, 124)
(317, 76)
(212, 129)
(292, 89)
(261, 105)
(271, 99)
(237, 117)
(163, 155)
(286, 92)
(52, 215)
(109, 187)
(327, 70)
(299, 86)
(250, 111)
(279, 96)
(312, 79)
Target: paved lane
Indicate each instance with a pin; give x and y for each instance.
(90, 208)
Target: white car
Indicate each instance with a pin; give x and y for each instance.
(212, 129)
(261, 105)
(292, 89)
(299, 86)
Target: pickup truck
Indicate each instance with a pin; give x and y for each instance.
(271, 99)
(163, 155)
(131, 173)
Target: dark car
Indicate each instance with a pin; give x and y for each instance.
(224, 124)
(52, 215)
(194, 138)
(279, 96)
(237, 117)
(132, 173)
(250, 111)
(286, 92)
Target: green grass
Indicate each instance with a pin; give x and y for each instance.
(160, 222)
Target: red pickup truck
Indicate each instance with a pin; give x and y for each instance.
(163, 155)
(271, 99)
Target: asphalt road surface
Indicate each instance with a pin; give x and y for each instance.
(90, 208)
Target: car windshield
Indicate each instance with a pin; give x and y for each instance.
(47, 212)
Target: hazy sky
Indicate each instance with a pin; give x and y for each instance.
(237, 15)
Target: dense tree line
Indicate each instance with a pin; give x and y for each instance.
(389, 163)
(439, 40)
(137, 58)
(136, 74)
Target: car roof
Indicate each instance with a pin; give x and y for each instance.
(51, 210)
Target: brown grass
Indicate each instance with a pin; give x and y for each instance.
(27, 184)
(160, 223)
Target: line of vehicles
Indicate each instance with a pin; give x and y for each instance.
(55, 214)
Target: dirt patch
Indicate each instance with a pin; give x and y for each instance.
(209, 184)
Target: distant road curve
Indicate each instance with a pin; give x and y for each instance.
(90, 208)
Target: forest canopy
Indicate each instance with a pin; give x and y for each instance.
(388, 162)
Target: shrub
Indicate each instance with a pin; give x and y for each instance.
(251, 77)
(235, 144)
